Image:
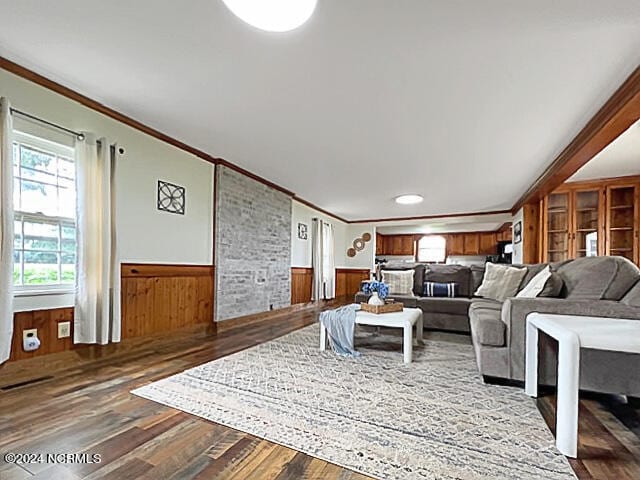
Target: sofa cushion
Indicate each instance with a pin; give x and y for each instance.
(477, 274)
(598, 278)
(632, 298)
(450, 274)
(479, 303)
(400, 281)
(500, 281)
(455, 306)
(408, 301)
(487, 327)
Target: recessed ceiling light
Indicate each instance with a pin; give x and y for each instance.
(272, 15)
(409, 199)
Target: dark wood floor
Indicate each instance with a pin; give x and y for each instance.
(87, 408)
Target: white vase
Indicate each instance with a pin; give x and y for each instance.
(374, 299)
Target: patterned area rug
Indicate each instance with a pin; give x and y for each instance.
(431, 419)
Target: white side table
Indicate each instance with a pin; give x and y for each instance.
(573, 333)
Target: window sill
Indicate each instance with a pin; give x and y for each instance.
(38, 293)
(28, 301)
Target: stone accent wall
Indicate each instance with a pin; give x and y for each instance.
(253, 246)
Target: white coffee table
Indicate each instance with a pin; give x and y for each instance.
(406, 319)
(573, 333)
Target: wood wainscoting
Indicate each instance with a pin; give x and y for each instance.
(46, 321)
(301, 284)
(348, 280)
(161, 298)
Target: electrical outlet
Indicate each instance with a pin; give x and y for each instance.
(64, 329)
(32, 332)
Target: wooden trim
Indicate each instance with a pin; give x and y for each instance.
(301, 270)
(143, 270)
(428, 217)
(322, 210)
(364, 271)
(38, 79)
(224, 163)
(619, 112)
(597, 183)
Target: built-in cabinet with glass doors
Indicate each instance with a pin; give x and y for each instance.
(584, 219)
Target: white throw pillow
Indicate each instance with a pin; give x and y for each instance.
(500, 282)
(536, 284)
(400, 281)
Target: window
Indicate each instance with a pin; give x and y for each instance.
(44, 200)
(432, 248)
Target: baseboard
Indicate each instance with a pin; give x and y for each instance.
(247, 320)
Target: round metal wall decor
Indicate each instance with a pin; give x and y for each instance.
(351, 252)
(366, 236)
(358, 244)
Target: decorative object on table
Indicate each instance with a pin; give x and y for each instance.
(378, 291)
(171, 198)
(387, 307)
(366, 236)
(358, 244)
(351, 252)
(302, 231)
(517, 232)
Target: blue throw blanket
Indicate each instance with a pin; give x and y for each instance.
(340, 324)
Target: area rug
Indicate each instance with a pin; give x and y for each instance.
(430, 419)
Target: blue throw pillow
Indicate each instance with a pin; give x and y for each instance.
(435, 289)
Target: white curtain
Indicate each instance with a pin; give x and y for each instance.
(322, 259)
(97, 305)
(6, 230)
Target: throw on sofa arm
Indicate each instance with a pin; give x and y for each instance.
(515, 311)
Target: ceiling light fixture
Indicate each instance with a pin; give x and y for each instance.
(272, 15)
(409, 199)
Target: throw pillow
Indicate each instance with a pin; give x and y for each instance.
(500, 281)
(536, 284)
(553, 287)
(400, 281)
(435, 289)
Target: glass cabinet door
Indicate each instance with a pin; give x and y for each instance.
(557, 227)
(620, 220)
(586, 209)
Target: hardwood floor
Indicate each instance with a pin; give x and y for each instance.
(87, 408)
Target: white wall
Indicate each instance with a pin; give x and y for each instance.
(517, 247)
(344, 233)
(145, 234)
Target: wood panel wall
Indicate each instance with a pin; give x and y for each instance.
(46, 321)
(161, 298)
(301, 285)
(348, 280)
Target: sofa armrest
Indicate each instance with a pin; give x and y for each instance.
(515, 311)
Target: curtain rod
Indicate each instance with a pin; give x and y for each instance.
(78, 135)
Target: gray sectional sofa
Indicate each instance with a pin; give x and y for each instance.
(593, 286)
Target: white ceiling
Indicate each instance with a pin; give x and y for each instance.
(463, 101)
(618, 159)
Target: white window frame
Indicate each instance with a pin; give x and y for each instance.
(58, 149)
(420, 250)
